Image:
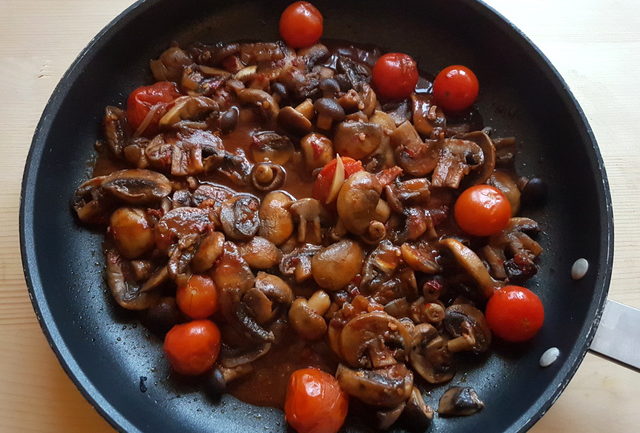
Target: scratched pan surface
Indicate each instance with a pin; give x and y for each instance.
(106, 353)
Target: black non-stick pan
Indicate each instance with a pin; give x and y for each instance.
(119, 366)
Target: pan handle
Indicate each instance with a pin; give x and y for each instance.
(618, 335)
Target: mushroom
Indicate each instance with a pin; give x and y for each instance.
(333, 267)
(269, 296)
(409, 192)
(239, 217)
(374, 340)
(429, 119)
(90, 203)
(506, 184)
(430, 357)
(514, 240)
(209, 250)
(357, 139)
(399, 111)
(180, 256)
(420, 258)
(317, 150)
(180, 223)
(136, 186)
(305, 316)
(459, 401)
(380, 264)
(269, 146)
(329, 87)
(232, 277)
(125, 291)
(216, 381)
(276, 222)
(482, 174)
(351, 101)
(297, 263)
(423, 311)
(329, 111)
(260, 253)
(455, 158)
(417, 413)
(357, 201)
(385, 418)
(235, 167)
(385, 387)
(228, 120)
(398, 308)
(163, 315)
(115, 129)
(232, 358)
(168, 67)
(188, 108)
(262, 100)
(308, 210)
(468, 327)
(131, 232)
(266, 176)
(472, 264)
(293, 121)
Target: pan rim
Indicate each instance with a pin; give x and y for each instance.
(102, 405)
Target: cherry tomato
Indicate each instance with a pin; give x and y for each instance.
(192, 348)
(315, 403)
(144, 98)
(198, 298)
(514, 313)
(395, 76)
(482, 210)
(301, 25)
(322, 185)
(455, 88)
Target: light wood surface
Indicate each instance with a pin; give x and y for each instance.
(595, 44)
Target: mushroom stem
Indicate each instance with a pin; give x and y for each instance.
(324, 121)
(319, 302)
(376, 231)
(264, 173)
(383, 211)
(434, 312)
(461, 344)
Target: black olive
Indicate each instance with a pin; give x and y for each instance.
(214, 383)
(229, 120)
(161, 317)
(535, 191)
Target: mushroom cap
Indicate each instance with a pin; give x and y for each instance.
(260, 253)
(329, 107)
(416, 412)
(333, 267)
(126, 292)
(293, 121)
(357, 201)
(357, 140)
(374, 339)
(458, 314)
(137, 186)
(482, 174)
(429, 355)
(269, 146)
(459, 401)
(306, 321)
(276, 222)
(266, 176)
(385, 387)
(239, 217)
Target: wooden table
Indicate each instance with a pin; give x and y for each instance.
(595, 44)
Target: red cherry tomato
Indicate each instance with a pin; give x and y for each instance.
(514, 313)
(482, 210)
(192, 348)
(395, 76)
(455, 88)
(301, 25)
(145, 98)
(322, 185)
(315, 403)
(198, 298)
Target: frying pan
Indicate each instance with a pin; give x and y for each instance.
(119, 367)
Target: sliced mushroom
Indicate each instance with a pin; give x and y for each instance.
(131, 231)
(472, 264)
(276, 222)
(317, 150)
(507, 185)
(459, 401)
(429, 119)
(430, 356)
(374, 340)
(115, 130)
(417, 413)
(420, 258)
(333, 267)
(188, 108)
(266, 176)
(380, 264)
(357, 139)
(216, 381)
(269, 297)
(386, 387)
(455, 159)
(385, 418)
(180, 223)
(515, 242)
(305, 316)
(260, 99)
(308, 210)
(168, 67)
(209, 250)
(127, 293)
(244, 356)
(468, 327)
(269, 146)
(136, 186)
(232, 277)
(90, 203)
(239, 217)
(260, 253)
(357, 201)
(297, 263)
(329, 111)
(293, 121)
(409, 192)
(482, 174)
